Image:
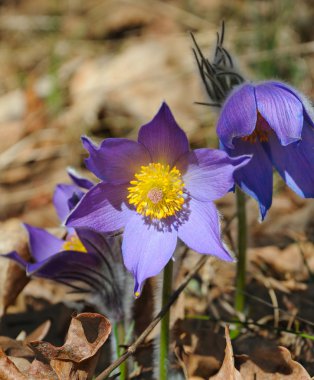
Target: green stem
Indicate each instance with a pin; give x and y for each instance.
(242, 243)
(164, 329)
(119, 334)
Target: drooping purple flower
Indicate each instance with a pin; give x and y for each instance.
(66, 196)
(272, 122)
(86, 261)
(158, 191)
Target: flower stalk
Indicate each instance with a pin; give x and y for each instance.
(242, 245)
(165, 322)
(119, 335)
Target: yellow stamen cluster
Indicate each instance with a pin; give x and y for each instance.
(157, 191)
(261, 131)
(74, 244)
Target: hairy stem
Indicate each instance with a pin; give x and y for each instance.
(119, 333)
(242, 243)
(164, 329)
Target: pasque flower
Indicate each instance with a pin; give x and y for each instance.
(158, 191)
(273, 122)
(86, 261)
(66, 196)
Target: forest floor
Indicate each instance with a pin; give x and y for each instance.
(102, 68)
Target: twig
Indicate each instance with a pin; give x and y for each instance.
(260, 300)
(274, 301)
(132, 349)
(250, 323)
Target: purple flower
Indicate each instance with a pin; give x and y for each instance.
(66, 196)
(86, 261)
(158, 191)
(272, 122)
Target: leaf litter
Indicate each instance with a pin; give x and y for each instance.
(75, 90)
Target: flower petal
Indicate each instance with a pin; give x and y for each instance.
(255, 178)
(42, 244)
(102, 209)
(201, 231)
(78, 180)
(63, 199)
(98, 243)
(282, 110)
(63, 264)
(295, 162)
(308, 111)
(209, 173)
(115, 160)
(146, 249)
(16, 257)
(163, 138)
(238, 115)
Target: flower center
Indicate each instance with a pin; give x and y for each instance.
(261, 131)
(157, 191)
(74, 244)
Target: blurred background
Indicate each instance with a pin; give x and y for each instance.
(102, 68)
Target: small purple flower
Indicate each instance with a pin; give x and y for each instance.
(86, 261)
(66, 196)
(158, 191)
(272, 122)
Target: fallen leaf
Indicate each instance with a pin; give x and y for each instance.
(271, 364)
(199, 350)
(87, 333)
(21, 364)
(12, 278)
(39, 333)
(8, 370)
(41, 371)
(35, 117)
(77, 358)
(227, 370)
(17, 351)
(16, 348)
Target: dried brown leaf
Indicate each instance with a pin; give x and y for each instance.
(12, 278)
(74, 371)
(199, 350)
(77, 358)
(21, 363)
(8, 370)
(87, 333)
(35, 114)
(41, 371)
(15, 348)
(272, 364)
(39, 333)
(227, 370)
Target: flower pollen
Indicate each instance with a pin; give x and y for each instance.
(261, 131)
(155, 195)
(74, 244)
(157, 191)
